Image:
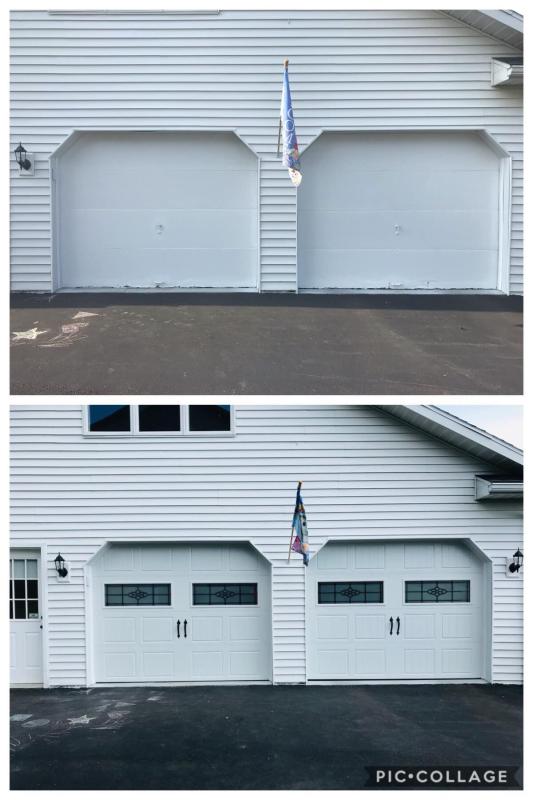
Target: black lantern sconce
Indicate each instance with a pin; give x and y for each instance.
(517, 562)
(61, 569)
(21, 159)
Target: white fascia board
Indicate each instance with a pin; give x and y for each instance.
(511, 20)
(458, 433)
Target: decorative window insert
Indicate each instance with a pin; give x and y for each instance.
(352, 592)
(137, 594)
(437, 591)
(23, 588)
(224, 594)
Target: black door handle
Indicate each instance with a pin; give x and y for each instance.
(178, 627)
(391, 624)
(398, 624)
(185, 628)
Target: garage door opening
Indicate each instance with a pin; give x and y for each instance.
(404, 211)
(156, 210)
(181, 612)
(398, 611)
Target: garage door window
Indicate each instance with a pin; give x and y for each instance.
(437, 591)
(138, 594)
(353, 592)
(224, 594)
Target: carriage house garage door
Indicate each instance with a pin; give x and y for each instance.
(156, 210)
(181, 612)
(397, 611)
(399, 211)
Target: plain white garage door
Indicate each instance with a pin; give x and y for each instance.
(163, 210)
(398, 211)
(181, 613)
(397, 611)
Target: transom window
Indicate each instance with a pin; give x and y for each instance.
(437, 591)
(352, 592)
(137, 594)
(109, 419)
(159, 420)
(224, 594)
(23, 588)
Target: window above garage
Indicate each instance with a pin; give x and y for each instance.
(159, 420)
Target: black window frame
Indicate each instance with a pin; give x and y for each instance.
(340, 598)
(139, 587)
(221, 586)
(447, 595)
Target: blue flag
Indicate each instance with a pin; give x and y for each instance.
(300, 542)
(291, 155)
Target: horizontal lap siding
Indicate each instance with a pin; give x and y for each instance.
(365, 475)
(349, 69)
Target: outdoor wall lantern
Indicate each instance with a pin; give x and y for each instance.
(61, 569)
(517, 562)
(20, 156)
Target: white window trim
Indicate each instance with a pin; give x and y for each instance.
(135, 432)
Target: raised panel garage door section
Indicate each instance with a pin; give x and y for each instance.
(178, 612)
(396, 611)
(399, 211)
(156, 210)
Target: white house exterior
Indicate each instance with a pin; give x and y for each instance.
(152, 142)
(176, 547)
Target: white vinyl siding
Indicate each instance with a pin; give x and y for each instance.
(366, 475)
(350, 70)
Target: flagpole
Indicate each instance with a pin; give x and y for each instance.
(285, 64)
(292, 529)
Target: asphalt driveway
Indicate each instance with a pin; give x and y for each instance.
(255, 737)
(265, 344)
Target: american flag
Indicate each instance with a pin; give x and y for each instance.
(299, 537)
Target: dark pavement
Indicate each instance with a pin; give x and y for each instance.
(255, 737)
(265, 344)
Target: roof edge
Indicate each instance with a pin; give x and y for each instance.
(458, 432)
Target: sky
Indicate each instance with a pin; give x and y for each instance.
(502, 421)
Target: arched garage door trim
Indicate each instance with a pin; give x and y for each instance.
(504, 192)
(89, 581)
(486, 579)
(76, 134)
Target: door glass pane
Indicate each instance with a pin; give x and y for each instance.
(209, 418)
(20, 589)
(18, 568)
(11, 611)
(159, 418)
(33, 609)
(31, 567)
(20, 609)
(114, 419)
(32, 589)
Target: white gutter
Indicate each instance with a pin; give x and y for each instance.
(494, 488)
(503, 72)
